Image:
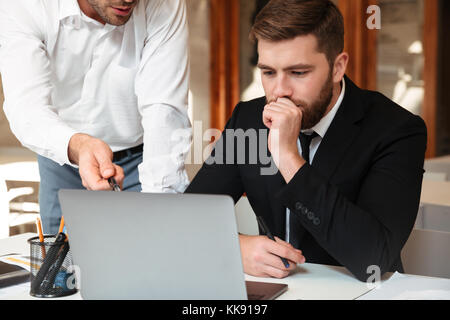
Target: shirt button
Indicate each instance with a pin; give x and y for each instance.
(316, 221)
(298, 206)
(310, 215)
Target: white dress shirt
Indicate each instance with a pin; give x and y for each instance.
(321, 129)
(65, 73)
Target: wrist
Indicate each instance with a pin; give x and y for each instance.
(75, 144)
(290, 163)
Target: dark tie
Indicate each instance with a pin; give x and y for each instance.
(305, 141)
(297, 231)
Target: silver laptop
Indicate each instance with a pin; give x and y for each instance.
(154, 246)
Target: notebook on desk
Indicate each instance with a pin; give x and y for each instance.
(157, 246)
(11, 274)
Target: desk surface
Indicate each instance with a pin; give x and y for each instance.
(444, 159)
(309, 281)
(435, 192)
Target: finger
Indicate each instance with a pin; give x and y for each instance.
(287, 244)
(84, 183)
(281, 241)
(286, 102)
(276, 262)
(275, 272)
(292, 264)
(106, 166)
(272, 114)
(283, 251)
(291, 111)
(282, 112)
(119, 176)
(267, 118)
(277, 108)
(92, 178)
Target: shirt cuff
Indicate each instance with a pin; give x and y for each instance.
(58, 151)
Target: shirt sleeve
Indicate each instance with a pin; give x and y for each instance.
(162, 91)
(26, 74)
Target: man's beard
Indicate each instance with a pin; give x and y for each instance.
(115, 20)
(314, 112)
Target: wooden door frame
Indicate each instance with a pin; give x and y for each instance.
(431, 72)
(225, 53)
(360, 43)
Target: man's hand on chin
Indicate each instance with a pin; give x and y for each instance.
(284, 120)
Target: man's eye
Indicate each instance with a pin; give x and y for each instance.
(268, 73)
(299, 73)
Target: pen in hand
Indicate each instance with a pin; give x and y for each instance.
(266, 230)
(113, 184)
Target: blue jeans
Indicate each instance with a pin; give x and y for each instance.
(55, 177)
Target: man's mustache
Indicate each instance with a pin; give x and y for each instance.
(125, 4)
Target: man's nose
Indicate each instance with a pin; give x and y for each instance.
(283, 89)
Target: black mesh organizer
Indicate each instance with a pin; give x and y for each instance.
(52, 273)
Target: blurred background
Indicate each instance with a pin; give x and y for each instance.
(405, 60)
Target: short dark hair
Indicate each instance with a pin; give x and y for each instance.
(287, 19)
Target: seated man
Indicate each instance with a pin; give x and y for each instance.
(349, 162)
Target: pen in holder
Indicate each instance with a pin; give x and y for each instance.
(51, 264)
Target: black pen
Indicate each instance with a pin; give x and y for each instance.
(49, 279)
(48, 262)
(266, 230)
(113, 184)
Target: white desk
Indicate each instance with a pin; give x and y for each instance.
(435, 192)
(309, 281)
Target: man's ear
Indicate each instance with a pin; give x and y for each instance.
(340, 67)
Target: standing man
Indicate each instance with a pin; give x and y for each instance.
(350, 161)
(97, 88)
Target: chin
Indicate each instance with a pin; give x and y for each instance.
(119, 22)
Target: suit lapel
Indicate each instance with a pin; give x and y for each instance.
(341, 133)
(338, 138)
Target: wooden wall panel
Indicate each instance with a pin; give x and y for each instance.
(431, 53)
(360, 43)
(224, 50)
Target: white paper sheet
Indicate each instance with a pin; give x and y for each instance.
(410, 287)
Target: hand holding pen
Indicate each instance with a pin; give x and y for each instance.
(265, 256)
(114, 185)
(269, 235)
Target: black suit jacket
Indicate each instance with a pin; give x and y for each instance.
(356, 204)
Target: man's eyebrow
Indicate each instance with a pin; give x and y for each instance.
(293, 67)
(300, 66)
(263, 66)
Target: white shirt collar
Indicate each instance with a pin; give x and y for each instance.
(135, 30)
(70, 14)
(68, 8)
(322, 127)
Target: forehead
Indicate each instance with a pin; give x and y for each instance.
(302, 49)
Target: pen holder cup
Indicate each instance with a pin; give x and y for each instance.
(52, 271)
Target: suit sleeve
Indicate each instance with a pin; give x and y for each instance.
(377, 225)
(218, 175)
